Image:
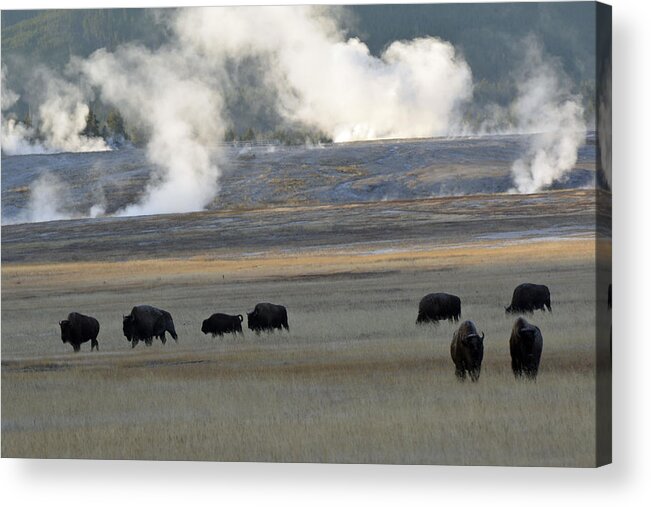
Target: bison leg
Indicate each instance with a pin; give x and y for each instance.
(94, 344)
(76, 347)
(460, 373)
(163, 338)
(134, 342)
(530, 372)
(474, 374)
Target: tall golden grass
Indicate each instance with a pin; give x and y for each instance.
(354, 381)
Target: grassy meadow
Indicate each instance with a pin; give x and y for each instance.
(355, 380)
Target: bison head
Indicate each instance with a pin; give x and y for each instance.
(65, 330)
(205, 326)
(474, 344)
(253, 321)
(128, 326)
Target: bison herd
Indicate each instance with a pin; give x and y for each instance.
(467, 347)
(145, 323)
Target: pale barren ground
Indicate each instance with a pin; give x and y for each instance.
(355, 380)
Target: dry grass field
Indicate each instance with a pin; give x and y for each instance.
(355, 380)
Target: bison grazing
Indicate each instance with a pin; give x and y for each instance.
(467, 350)
(78, 329)
(528, 297)
(220, 323)
(146, 322)
(526, 348)
(439, 306)
(267, 317)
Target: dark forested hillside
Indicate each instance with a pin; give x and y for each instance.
(488, 35)
(53, 36)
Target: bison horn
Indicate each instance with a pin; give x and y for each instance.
(482, 335)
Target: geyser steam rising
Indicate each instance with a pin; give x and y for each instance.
(414, 89)
(546, 108)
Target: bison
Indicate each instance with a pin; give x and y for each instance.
(439, 306)
(220, 323)
(78, 329)
(610, 295)
(528, 297)
(267, 317)
(526, 348)
(146, 322)
(467, 350)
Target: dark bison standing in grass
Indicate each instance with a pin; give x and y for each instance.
(267, 317)
(219, 323)
(439, 306)
(146, 322)
(526, 345)
(467, 350)
(528, 297)
(78, 329)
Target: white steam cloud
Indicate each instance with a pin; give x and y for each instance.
(17, 139)
(15, 135)
(317, 77)
(47, 200)
(8, 97)
(169, 94)
(175, 93)
(60, 116)
(414, 89)
(545, 107)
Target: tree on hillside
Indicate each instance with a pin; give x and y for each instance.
(229, 136)
(115, 124)
(92, 125)
(249, 135)
(27, 120)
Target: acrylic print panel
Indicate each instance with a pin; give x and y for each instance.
(356, 234)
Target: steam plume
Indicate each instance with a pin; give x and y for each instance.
(313, 75)
(414, 89)
(169, 94)
(322, 80)
(15, 135)
(9, 97)
(545, 106)
(61, 114)
(47, 198)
